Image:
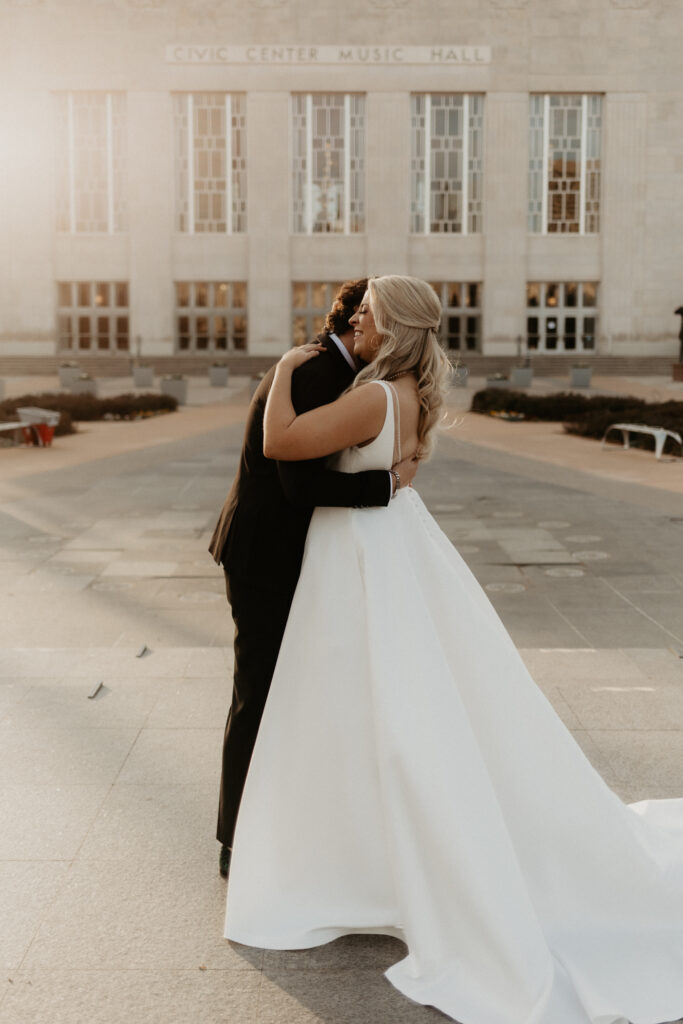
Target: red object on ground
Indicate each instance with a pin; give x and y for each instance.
(46, 433)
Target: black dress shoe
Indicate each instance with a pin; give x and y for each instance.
(224, 861)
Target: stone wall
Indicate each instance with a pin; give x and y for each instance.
(627, 49)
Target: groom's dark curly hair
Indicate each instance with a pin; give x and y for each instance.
(346, 302)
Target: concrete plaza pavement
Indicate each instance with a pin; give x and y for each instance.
(112, 903)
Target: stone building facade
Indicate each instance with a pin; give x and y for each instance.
(193, 177)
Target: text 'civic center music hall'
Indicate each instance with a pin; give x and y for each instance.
(193, 178)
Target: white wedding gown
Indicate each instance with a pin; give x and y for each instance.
(410, 779)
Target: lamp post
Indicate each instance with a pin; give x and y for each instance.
(678, 367)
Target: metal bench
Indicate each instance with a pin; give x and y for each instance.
(36, 425)
(660, 435)
(29, 432)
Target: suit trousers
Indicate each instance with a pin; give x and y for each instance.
(260, 615)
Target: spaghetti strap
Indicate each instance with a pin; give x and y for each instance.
(390, 430)
(397, 420)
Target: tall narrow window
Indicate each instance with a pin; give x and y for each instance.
(328, 162)
(565, 137)
(447, 137)
(91, 159)
(210, 160)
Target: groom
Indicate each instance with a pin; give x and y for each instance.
(260, 535)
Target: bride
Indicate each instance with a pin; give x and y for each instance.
(409, 778)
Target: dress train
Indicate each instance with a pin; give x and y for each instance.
(410, 779)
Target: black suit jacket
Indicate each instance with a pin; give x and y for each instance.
(261, 531)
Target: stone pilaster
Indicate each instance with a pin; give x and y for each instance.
(150, 221)
(388, 182)
(506, 119)
(268, 185)
(623, 223)
(5, 208)
(27, 310)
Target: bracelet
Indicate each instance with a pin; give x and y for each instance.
(398, 482)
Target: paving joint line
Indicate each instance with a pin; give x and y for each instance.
(569, 623)
(640, 611)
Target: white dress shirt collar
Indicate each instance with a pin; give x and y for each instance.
(344, 351)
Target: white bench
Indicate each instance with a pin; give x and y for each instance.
(660, 435)
(31, 419)
(16, 427)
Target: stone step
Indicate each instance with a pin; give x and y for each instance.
(546, 365)
(243, 364)
(112, 366)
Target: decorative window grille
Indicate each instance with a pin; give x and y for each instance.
(328, 162)
(211, 316)
(565, 164)
(461, 319)
(311, 301)
(210, 161)
(447, 153)
(91, 160)
(562, 316)
(93, 316)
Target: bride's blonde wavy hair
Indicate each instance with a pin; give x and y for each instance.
(407, 313)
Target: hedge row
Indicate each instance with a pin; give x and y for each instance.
(588, 416)
(555, 408)
(87, 407)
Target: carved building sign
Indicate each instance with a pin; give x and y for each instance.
(442, 55)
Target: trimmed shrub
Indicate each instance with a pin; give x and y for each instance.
(130, 407)
(554, 408)
(587, 416)
(87, 407)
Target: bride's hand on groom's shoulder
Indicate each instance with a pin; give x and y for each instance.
(300, 354)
